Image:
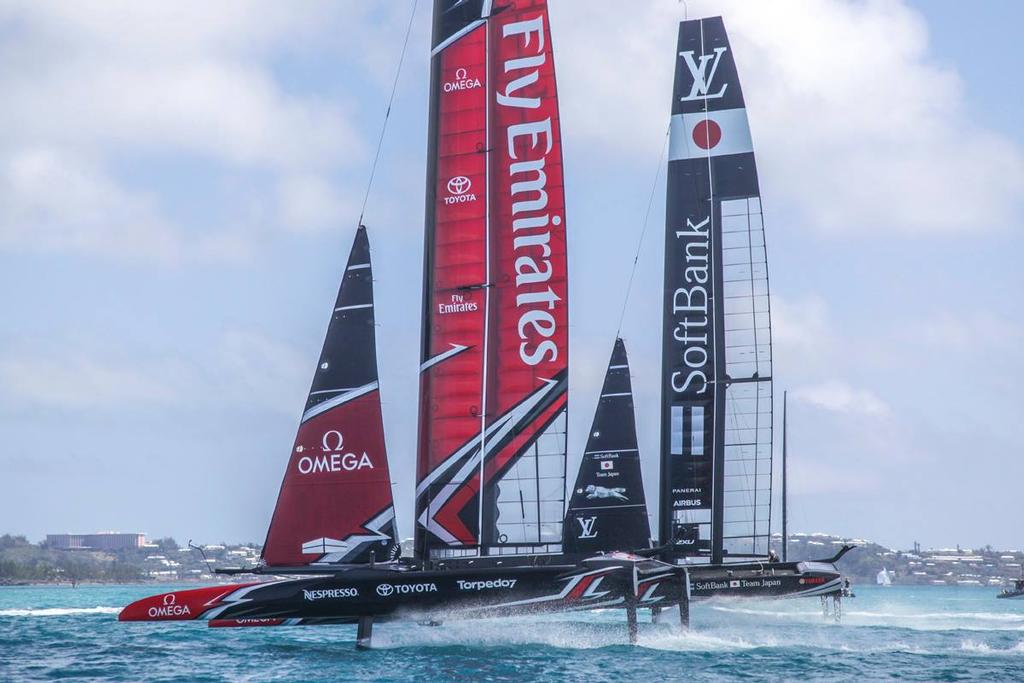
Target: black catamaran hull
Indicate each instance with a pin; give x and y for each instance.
(765, 581)
(423, 595)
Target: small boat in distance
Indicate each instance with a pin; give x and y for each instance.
(1016, 592)
(883, 578)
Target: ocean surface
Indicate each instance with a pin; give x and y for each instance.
(915, 634)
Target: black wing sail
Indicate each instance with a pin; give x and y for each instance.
(608, 510)
(716, 440)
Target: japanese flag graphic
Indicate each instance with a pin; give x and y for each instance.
(607, 464)
(713, 133)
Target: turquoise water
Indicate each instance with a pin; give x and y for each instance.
(917, 634)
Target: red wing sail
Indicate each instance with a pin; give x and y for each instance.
(335, 504)
(491, 465)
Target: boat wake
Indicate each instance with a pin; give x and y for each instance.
(980, 648)
(557, 633)
(57, 611)
(922, 621)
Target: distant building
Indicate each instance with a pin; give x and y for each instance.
(104, 540)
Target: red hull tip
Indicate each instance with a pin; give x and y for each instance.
(178, 605)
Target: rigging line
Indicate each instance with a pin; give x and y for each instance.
(387, 113)
(643, 231)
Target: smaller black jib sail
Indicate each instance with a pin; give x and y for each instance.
(608, 510)
(335, 505)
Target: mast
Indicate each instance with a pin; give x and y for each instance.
(716, 413)
(785, 533)
(494, 372)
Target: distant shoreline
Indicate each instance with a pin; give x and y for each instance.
(9, 583)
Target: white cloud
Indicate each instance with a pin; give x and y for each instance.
(78, 381)
(245, 368)
(309, 203)
(959, 331)
(840, 397)
(53, 200)
(89, 84)
(857, 130)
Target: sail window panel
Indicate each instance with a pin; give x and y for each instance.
(676, 425)
(747, 452)
(758, 270)
(550, 488)
(743, 482)
(741, 362)
(551, 521)
(742, 338)
(741, 429)
(739, 489)
(741, 402)
(741, 453)
(736, 421)
(551, 443)
(737, 256)
(737, 519)
(737, 434)
(745, 545)
(759, 303)
(747, 238)
(741, 467)
(550, 466)
(738, 305)
(738, 321)
(735, 207)
(522, 470)
(744, 287)
(738, 239)
(523, 490)
(736, 289)
(551, 532)
(697, 430)
(742, 512)
(512, 514)
(741, 392)
(756, 221)
(738, 272)
(733, 225)
(739, 261)
(761, 319)
(745, 271)
(691, 516)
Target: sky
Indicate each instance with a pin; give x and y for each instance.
(180, 184)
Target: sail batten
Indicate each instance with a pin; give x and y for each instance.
(716, 378)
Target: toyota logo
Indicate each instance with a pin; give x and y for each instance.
(459, 184)
(385, 589)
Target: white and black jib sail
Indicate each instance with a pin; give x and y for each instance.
(608, 510)
(716, 439)
(335, 504)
